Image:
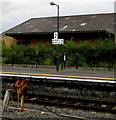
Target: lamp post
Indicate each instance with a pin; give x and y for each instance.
(52, 3)
(57, 33)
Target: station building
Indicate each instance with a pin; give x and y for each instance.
(78, 28)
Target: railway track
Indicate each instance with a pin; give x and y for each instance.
(69, 102)
(64, 86)
(73, 103)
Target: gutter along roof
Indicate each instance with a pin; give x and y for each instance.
(61, 32)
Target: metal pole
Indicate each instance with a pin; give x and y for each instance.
(57, 67)
(52, 3)
(22, 103)
(57, 59)
(58, 19)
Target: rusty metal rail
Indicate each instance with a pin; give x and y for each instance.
(74, 103)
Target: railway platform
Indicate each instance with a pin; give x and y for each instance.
(50, 72)
(92, 72)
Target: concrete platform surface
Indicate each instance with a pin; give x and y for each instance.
(70, 71)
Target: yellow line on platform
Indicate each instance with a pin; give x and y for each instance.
(54, 75)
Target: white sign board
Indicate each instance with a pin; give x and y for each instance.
(64, 57)
(57, 41)
(55, 35)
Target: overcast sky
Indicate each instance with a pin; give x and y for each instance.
(14, 12)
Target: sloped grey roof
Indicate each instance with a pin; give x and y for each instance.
(77, 23)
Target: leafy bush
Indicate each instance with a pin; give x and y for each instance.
(105, 52)
(82, 55)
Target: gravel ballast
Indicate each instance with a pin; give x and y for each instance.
(40, 112)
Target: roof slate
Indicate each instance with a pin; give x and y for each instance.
(76, 23)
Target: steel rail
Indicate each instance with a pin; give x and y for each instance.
(74, 103)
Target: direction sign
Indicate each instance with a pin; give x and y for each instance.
(57, 41)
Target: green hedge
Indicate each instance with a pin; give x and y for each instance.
(83, 55)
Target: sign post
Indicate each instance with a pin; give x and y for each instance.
(57, 41)
(64, 59)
